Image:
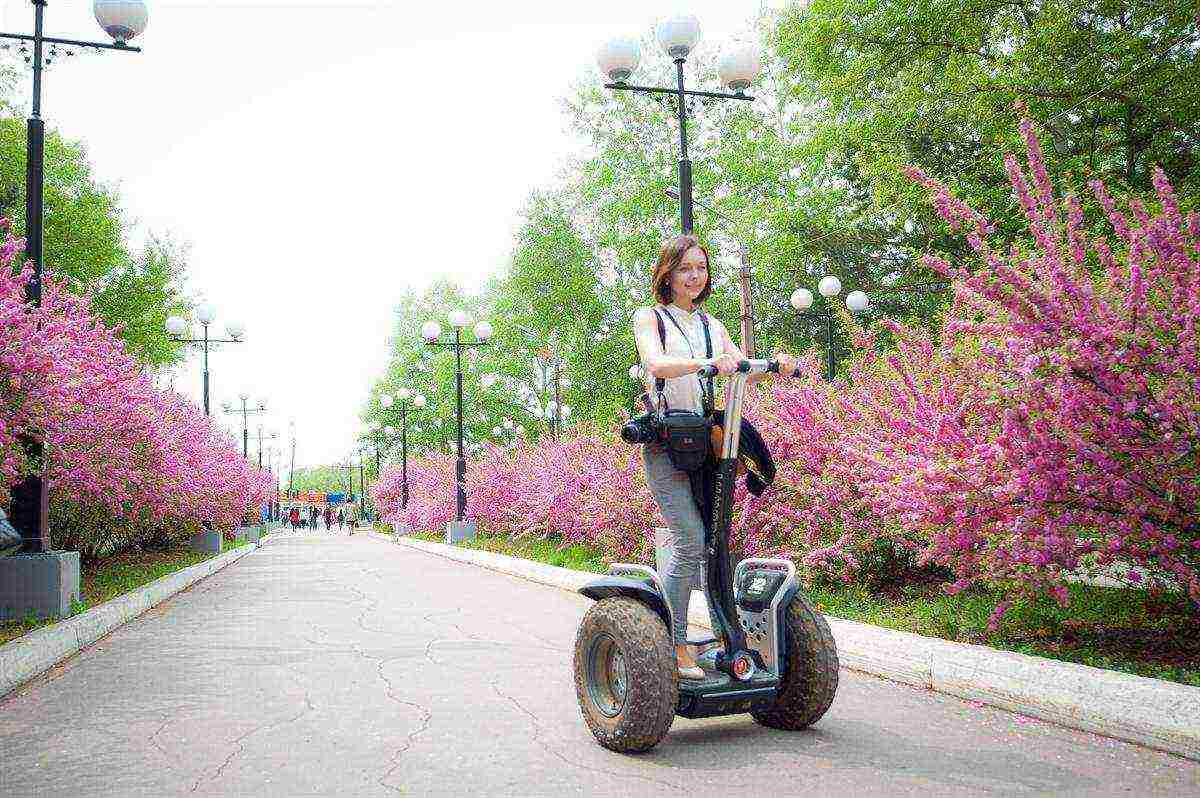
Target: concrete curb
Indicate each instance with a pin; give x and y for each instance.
(1157, 714)
(40, 650)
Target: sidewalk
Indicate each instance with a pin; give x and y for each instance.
(327, 665)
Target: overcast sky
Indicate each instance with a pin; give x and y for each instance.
(320, 158)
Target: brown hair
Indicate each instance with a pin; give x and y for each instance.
(669, 258)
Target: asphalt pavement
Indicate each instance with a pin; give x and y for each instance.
(338, 665)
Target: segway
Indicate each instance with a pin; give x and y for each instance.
(773, 657)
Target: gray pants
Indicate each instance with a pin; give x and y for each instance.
(672, 491)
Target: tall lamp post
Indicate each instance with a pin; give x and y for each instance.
(460, 529)
(270, 437)
(829, 287)
(407, 401)
(246, 410)
(618, 60)
(123, 21)
(178, 327)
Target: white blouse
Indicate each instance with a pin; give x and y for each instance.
(686, 392)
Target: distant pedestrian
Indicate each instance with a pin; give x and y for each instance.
(328, 517)
(341, 518)
(294, 516)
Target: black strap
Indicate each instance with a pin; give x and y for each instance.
(706, 383)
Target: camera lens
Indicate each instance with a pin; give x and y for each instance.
(636, 431)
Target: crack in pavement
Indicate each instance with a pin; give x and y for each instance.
(241, 741)
(537, 736)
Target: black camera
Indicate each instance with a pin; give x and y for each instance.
(645, 428)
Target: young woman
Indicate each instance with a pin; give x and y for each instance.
(680, 284)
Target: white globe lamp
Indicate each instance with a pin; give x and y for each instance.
(123, 20)
(802, 299)
(739, 66)
(678, 35)
(618, 58)
(830, 286)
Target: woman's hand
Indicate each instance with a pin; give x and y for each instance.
(787, 364)
(726, 364)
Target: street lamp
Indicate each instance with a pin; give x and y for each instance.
(829, 287)
(246, 410)
(270, 437)
(178, 328)
(30, 501)
(461, 529)
(618, 59)
(407, 401)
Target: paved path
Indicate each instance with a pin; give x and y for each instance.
(352, 667)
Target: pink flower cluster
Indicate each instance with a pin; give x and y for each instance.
(1051, 425)
(127, 462)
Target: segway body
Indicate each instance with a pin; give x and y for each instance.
(773, 657)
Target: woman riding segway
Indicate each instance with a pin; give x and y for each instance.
(775, 657)
(681, 282)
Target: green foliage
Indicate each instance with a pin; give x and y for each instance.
(323, 479)
(84, 244)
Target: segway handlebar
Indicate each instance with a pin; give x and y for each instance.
(749, 367)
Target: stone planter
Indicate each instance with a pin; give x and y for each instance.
(45, 585)
(207, 542)
(250, 534)
(457, 531)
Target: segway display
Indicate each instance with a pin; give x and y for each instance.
(772, 657)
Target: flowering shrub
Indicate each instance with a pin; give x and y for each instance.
(1051, 424)
(127, 462)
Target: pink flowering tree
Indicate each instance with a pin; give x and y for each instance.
(1051, 425)
(126, 461)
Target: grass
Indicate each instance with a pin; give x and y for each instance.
(1114, 628)
(106, 579)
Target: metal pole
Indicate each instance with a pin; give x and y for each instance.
(748, 348)
(206, 412)
(831, 356)
(30, 498)
(260, 445)
(404, 455)
(557, 398)
(245, 432)
(462, 462)
(292, 469)
(685, 164)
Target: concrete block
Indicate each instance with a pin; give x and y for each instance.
(251, 534)
(207, 542)
(44, 584)
(1155, 713)
(458, 531)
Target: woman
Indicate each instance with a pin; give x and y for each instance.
(680, 284)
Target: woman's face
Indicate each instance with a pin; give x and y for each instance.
(690, 276)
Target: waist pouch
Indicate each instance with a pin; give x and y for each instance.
(685, 437)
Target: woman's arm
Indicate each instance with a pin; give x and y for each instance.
(658, 363)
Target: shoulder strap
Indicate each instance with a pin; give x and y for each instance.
(660, 384)
(709, 399)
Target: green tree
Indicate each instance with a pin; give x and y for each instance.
(84, 244)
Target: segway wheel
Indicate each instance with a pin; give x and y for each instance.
(625, 675)
(810, 676)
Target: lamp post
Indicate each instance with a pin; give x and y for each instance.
(618, 60)
(431, 332)
(292, 466)
(246, 410)
(177, 326)
(270, 437)
(407, 401)
(30, 506)
(747, 315)
(829, 287)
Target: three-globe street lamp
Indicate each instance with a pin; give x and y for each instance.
(246, 410)
(829, 287)
(431, 332)
(407, 401)
(122, 20)
(618, 60)
(178, 327)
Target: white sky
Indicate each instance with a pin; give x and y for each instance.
(322, 157)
